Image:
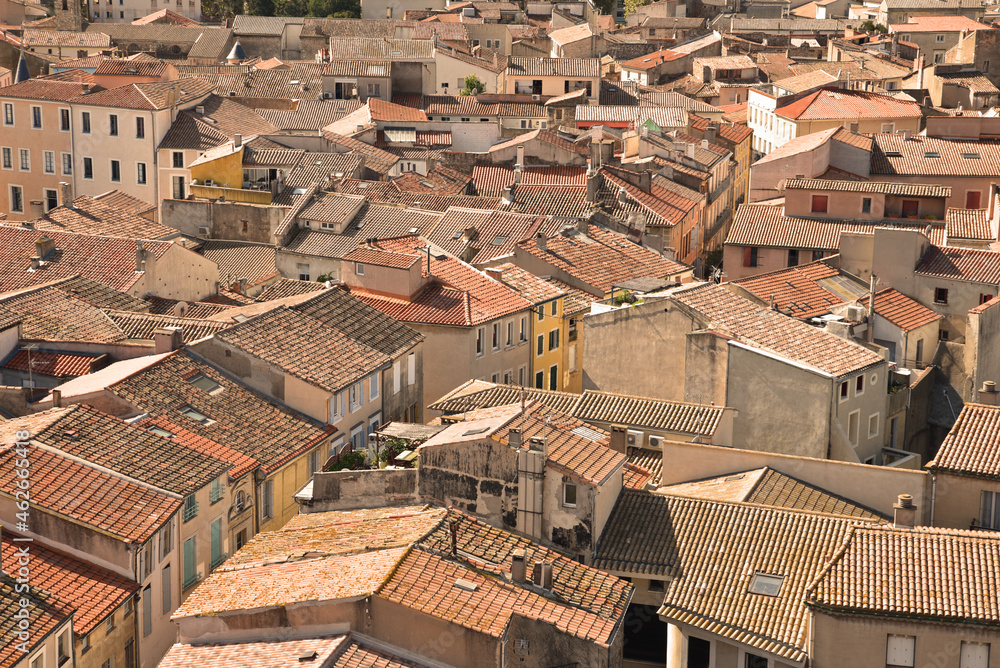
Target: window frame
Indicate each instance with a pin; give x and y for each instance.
(112, 125)
(569, 489)
(36, 117)
(65, 120)
(141, 174)
(941, 296)
(819, 204)
(85, 127)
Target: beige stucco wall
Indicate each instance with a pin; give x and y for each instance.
(957, 499)
(873, 486)
(22, 135)
(937, 645)
(180, 273)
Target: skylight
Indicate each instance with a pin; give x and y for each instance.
(766, 585)
(893, 154)
(931, 154)
(160, 431)
(971, 156)
(191, 413)
(473, 432)
(203, 382)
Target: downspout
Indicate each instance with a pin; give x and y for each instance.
(135, 611)
(933, 495)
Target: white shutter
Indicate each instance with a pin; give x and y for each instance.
(411, 369)
(397, 381)
(975, 655)
(899, 651)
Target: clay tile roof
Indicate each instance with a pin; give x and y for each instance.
(490, 180)
(939, 24)
(51, 363)
(67, 38)
(972, 447)
(939, 575)
(644, 466)
(900, 310)
(459, 296)
(477, 394)
(519, 66)
(767, 487)
(885, 188)
(305, 348)
(642, 412)
(489, 234)
(836, 104)
(603, 258)
(104, 501)
(259, 654)
(532, 288)
(893, 155)
(240, 419)
(797, 291)
(141, 325)
(105, 215)
(148, 95)
(236, 260)
(240, 464)
(977, 82)
(390, 112)
(766, 225)
(709, 552)
(961, 264)
(49, 314)
(759, 327)
(75, 587)
(44, 88)
(968, 224)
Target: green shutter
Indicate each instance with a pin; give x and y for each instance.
(216, 542)
(190, 565)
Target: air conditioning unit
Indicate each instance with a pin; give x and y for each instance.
(655, 442)
(855, 313)
(536, 97)
(203, 231)
(634, 438)
(327, 96)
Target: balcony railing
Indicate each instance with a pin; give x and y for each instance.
(231, 194)
(190, 511)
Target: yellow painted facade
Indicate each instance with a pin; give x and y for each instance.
(284, 483)
(225, 171)
(547, 344)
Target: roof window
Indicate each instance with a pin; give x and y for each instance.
(160, 431)
(931, 154)
(971, 156)
(192, 414)
(203, 382)
(766, 585)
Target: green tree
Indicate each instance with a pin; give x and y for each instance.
(335, 9)
(260, 7)
(606, 6)
(473, 86)
(291, 8)
(632, 5)
(870, 25)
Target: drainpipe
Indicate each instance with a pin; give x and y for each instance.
(933, 495)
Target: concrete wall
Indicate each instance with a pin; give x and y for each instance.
(873, 486)
(982, 349)
(294, 621)
(347, 490)
(478, 477)
(938, 645)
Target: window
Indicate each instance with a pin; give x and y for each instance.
(411, 369)
(178, 159)
(866, 205)
(373, 387)
(36, 118)
(113, 125)
(480, 343)
(540, 348)
(524, 330)
(140, 128)
(167, 603)
(541, 312)
(554, 339)
(820, 203)
(940, 295)
(67, 164)
(853, 426)
(85, 644)
(49, 162)
(793, 257)
(38, 661)
(8, 113)
(359, 268)
(314, 463)
(190, 562)
(140, 174)
(85, 122)
(938, 38)
(899, 651)
(267, 499)
(496, 336)
(166, 541)
(554, 308)
(217, 491)
(766, 584)
(204, 383)
(88, 168)
(51, 198)
(554, 377)
(354, 399)
(888, 128)
(983, 298)
(109, 626)
(510, 333)
(569, 495)
(973, 199)
(989, 510)
(116, 170)
(540, 380)
(859, 385)
(336, 407)
(25, 160)
(63, 648)
(64, 120)
(8, 158)
(16, 199)
(190, 508)
(197, 416)
(975, 655)
(920, 352)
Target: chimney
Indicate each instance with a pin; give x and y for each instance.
(508, 195)
(140, 256)
(904, 514)
(514, 438)
(907, 135)
(645, 181)
(56, 398)
(494, 273)
(988, 393)
(34, 262)
(453, 529)
(200, 109)
(595, 154)
(540, 241)
(541, 574)
(44, 245)
(593, 185)
(66, 194)
(518, 170)
(690, 151)
(712, 132)
(619, 439)
(518, 567)
(166, 339)
(237, 140)
(520, 154)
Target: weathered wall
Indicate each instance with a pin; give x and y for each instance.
(346, 490)
(957, 499)
(224, 220)
(478, 477)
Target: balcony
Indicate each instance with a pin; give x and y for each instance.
(190, 511)
(200, 191)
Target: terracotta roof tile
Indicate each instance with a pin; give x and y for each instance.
(251, 261)
(240, 464)
(259, 654)
(894, 155)
(937, 575)
(45, 614)
(759, 327)
(141, 325)
(490, 180)
(961, 264)
(938, 24)
(240, 419)
(972, 446)
(532, 288)
(968, 224)
(709, 552)
(835, 104)
(668, 416)
(885, 188)
(88, 592)
(51, 363)
(900, 310)
(494, 234)
(797, 291)
(519, 66)
(49, 314)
